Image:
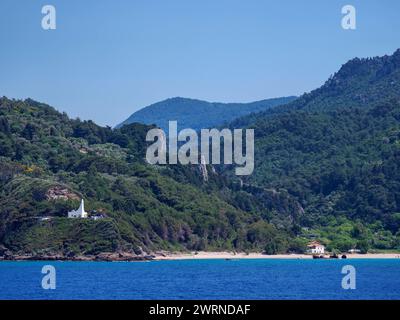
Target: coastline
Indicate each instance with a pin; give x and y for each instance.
(241, 255)
(200, 255)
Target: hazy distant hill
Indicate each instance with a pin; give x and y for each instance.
(197, 114)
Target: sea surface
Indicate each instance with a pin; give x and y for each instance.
(203, 279)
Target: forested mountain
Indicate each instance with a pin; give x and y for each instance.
(197, 114)
(48, 162)
(336, 150)
(326, 168)
(358, 83)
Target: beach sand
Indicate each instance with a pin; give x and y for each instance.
(231, 255)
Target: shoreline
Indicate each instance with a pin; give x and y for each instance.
(200, 255)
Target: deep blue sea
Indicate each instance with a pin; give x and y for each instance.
(203, 279)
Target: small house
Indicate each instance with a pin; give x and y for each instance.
(315, 247)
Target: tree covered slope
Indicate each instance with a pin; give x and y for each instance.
(359, 83)
(326, 167)
(48, 162)
(337, 151)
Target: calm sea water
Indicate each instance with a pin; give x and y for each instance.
(202, 279)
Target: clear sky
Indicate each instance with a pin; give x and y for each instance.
(107, 59)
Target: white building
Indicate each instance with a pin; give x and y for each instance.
(316, 248)
(80, 213)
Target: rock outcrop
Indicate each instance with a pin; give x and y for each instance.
(203, 169)
(61, 193)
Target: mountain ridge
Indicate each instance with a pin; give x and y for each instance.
(48, 161)
(358, 82)
(336, 150)
(327, 168)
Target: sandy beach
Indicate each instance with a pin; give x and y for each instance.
(242, 255)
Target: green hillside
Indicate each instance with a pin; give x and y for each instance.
(336, 150)
(48, 162)
(326, 168)
(359, 83)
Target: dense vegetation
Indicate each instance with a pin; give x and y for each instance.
(327, 168)
(197, 114)
(147, 207)
(336, 150)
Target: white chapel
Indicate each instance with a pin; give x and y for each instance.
(80, 213)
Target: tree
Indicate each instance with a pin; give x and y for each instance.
(363, 246)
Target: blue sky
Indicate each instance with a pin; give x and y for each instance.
(107, 59)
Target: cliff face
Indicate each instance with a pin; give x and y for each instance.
(203, 169)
